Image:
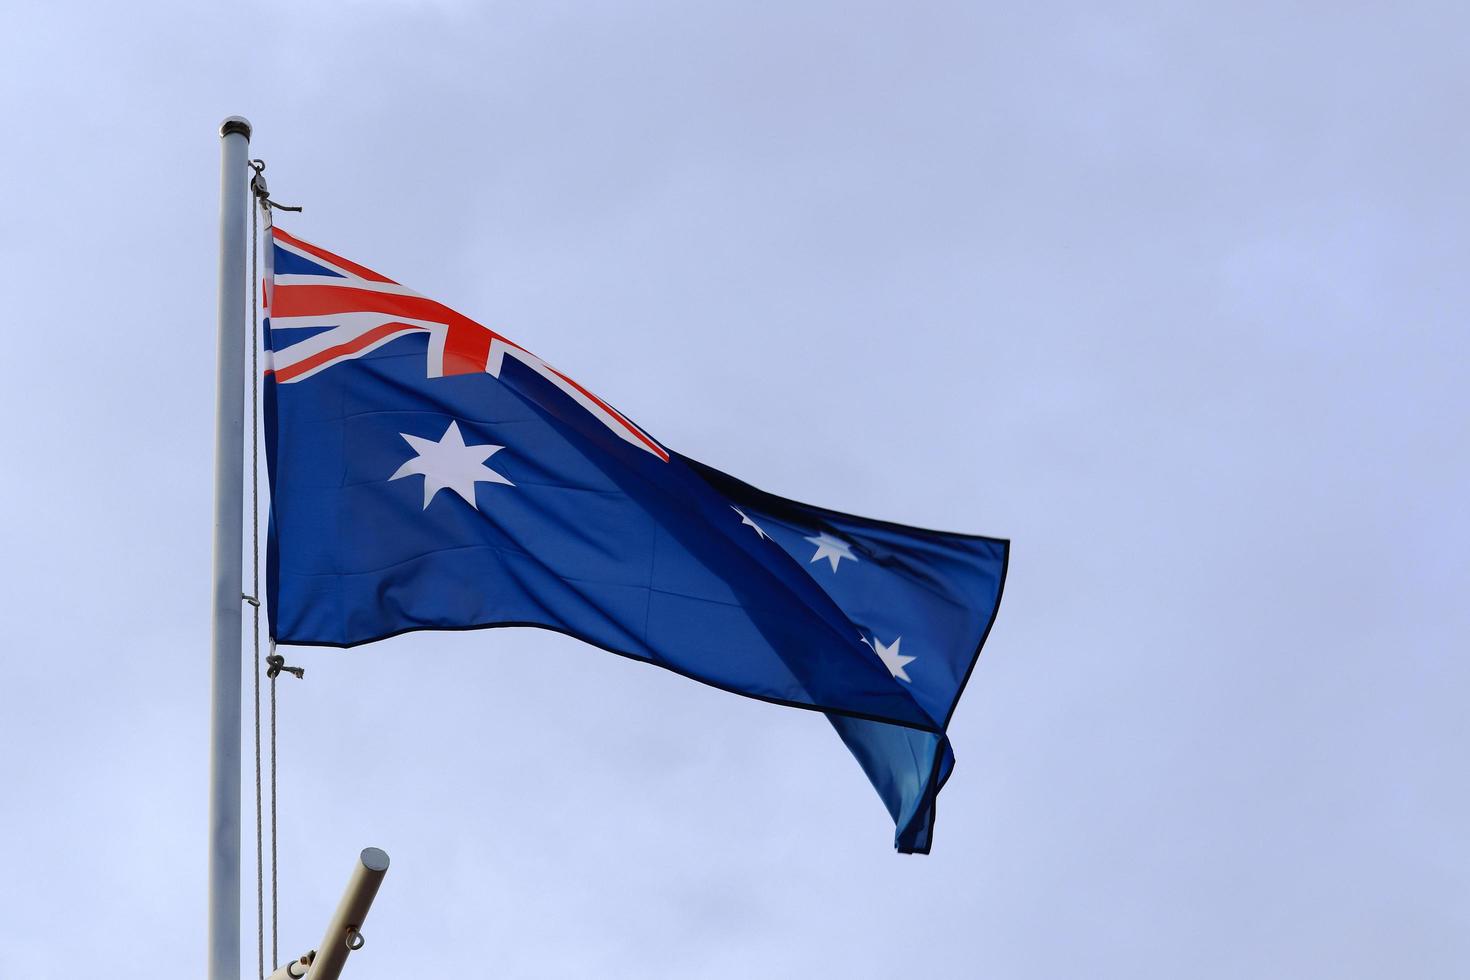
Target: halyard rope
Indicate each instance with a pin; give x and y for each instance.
(274, 663)
(275, 957)
(255, 615)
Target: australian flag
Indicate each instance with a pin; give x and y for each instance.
(428, 473)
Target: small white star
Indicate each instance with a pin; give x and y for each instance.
(450, 464)
(890, 656)
(830, 548)
(745, 519)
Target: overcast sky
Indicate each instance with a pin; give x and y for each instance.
(1172, 295)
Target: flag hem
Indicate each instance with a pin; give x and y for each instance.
(937, 782)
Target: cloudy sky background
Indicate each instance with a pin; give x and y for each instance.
(1170, 294)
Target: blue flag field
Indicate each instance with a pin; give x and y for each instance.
(427, 473)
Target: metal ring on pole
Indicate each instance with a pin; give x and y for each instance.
(355, 941)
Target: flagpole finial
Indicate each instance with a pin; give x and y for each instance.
(235, 124)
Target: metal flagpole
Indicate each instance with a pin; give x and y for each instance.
(229, 480)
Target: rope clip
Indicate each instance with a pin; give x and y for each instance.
(276, 663)
(262, 192)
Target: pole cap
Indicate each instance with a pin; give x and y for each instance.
(235, 124)
(374, 859)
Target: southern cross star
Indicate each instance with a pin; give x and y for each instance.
(450, 465)
(745, 519)
(890, 656)
(830, 548)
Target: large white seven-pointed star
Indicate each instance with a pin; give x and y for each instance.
(890, 656)
(745, 519)
(450, 464)
(830, 548)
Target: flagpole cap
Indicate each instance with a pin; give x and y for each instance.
(235, 124)
(374, 859)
